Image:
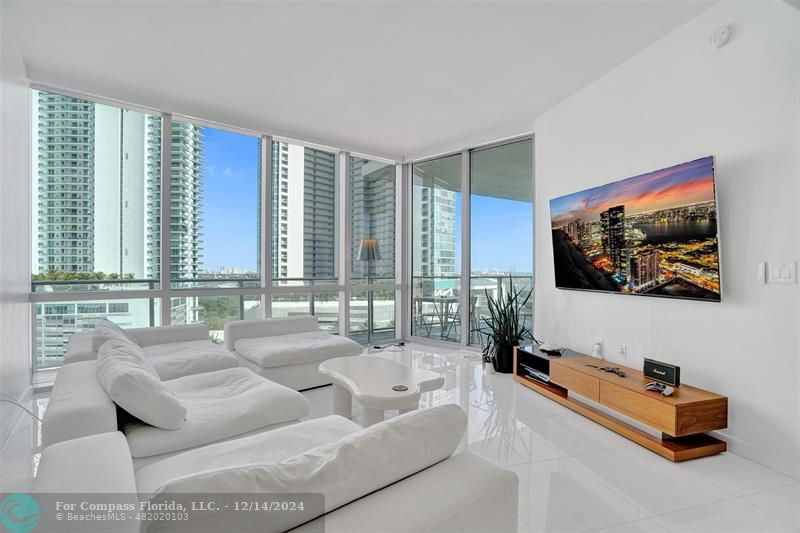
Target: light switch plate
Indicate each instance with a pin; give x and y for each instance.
(782, 272)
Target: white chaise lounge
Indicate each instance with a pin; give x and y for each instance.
(174, 351)
(287, 350)
(398, 475)
(162, 416)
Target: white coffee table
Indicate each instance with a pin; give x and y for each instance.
(371, 380)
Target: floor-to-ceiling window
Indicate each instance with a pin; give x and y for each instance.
(436, 248)
(254, 226)
(501, 229)
(95, 230)
(215, 225)
(305, 233)
(373, 245)
(498, 221)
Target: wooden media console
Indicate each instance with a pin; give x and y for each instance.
(683, 418)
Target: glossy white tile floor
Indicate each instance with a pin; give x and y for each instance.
(574, 474)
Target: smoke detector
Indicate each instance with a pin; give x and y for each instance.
(720, 37)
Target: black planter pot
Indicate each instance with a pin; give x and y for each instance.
(504, 358)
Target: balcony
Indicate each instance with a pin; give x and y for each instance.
(436, 305)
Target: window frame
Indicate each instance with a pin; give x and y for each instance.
(263, 287)
(466, 235)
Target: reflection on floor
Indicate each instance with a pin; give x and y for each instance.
(574, 475)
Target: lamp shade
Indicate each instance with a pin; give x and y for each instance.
(369, 250)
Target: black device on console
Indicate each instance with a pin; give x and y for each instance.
(662, 372)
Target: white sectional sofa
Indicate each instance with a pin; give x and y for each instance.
(174, 351)
(161, 416)
(287, 350)
(400, 475)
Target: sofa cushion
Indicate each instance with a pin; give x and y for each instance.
(341, 471)
(466, 493)
(167, 334)
(133, 384)
(267, 447)
(296, 348)
(177, 359)
(79, 405)
(105, 330)
(79, 348)
(94, 464)
(267, 327)
(220, 405)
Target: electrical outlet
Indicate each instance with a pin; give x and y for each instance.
(782, 272)
(622, 353)
(597, 348)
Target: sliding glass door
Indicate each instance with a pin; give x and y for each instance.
(449, 293)
(436, 249)
(501, 229)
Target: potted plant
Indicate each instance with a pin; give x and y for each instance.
(506, 326)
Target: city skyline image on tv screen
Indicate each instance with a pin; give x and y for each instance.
(652, 235)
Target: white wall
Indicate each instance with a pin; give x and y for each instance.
(677, 101)
(15, 219)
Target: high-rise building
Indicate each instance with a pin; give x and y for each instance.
(572, 231)
(186, 200)
(303, 212)
(585, 235)
(613, 237)
(319, 212)
(372, 208)
(644, 269)
(98, 209)
(63, 158)
(434, 232)
(98, 190)
(123, 223)
(580, 233)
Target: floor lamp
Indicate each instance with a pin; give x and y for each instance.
(369, 250)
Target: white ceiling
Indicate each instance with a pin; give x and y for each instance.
(391, 78)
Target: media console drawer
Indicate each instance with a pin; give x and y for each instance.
(650, 411)
(576, 381)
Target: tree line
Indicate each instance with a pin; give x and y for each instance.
(56, 275)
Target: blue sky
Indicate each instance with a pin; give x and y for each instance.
(502, 234)
(230, 201)
(501, 229)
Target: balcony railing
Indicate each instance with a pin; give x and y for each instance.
(92, 285)
(57, 315)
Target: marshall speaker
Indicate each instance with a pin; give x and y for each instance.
(663, 372)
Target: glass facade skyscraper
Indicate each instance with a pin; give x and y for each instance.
(63, 160)
(303, 213)
(97, 201)
(99, 188)
(372, 208)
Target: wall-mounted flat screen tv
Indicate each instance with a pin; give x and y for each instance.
(651, 235)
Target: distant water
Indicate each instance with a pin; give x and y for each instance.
(677, 231)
